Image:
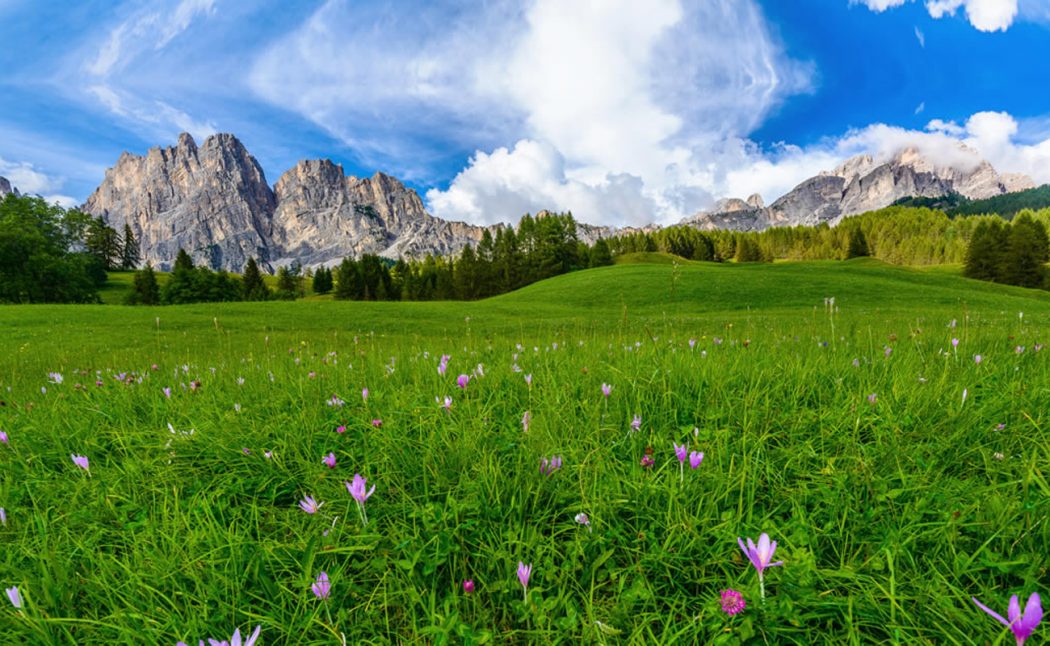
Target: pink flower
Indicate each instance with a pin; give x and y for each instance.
(329, 460)
(680, 452)
(14, 596)
(309, 505)
(636, 423)
(3, 437)
(526, 419)
(364, 394)
(462, 381)
(760, 555)
(606, 390)
(468, 586)
(733, 602)
(80, 460)
(340, 429)
(167, 392)
(377, 423)
(695, 459)
(322, 587)
(1022, 625)
(524, 572)
(647, 461)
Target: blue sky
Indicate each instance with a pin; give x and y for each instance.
(624, 112)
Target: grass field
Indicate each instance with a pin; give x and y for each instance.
(898, 475)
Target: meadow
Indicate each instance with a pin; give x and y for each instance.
(899, 474)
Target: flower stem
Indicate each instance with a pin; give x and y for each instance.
(762, 586)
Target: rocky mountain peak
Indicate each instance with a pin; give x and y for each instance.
(5, 187)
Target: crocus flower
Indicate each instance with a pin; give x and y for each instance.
(647, 461)
(336, 402)
(55, 377)
(329, 460)
(321, 587)
(977, 359)
(606, 390)
(692, 343)
(468, 586)
(695, 459)
(760, 556)
(12, 594)
(309, 505)
(733, 602)
(1021, 624)
(357, 490)
(462, 381)
(81, 461)
(681, 453)
(167, 392)
(547, 467)
(377, 423)
(528, 380)
(636, 423)
(526, 419)
(236, 639)
(584, 520)
(340, 429)
(364, 394)
(524, 572)
(3, 437)
(3, 517)
(955, 343)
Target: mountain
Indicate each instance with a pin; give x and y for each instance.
(5, 187)
(214, 202)
(1007, 205)
(863, 184)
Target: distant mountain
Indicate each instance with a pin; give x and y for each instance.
(5, 187)
(214, 202)
(859, 185)
(1007, 205)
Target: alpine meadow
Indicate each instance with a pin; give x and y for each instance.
(524, 322)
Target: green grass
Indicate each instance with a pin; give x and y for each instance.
(889, 516)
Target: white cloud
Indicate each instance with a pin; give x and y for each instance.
(106, 77)
(27, 179)
(921, 37)
(984, 15)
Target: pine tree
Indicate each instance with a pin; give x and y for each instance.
(255, 288)
(286, 284)
(322, 283)
(985, 252)
(1025, 256)
(130, 251)
(600, 254)
(858, 244)
(144, 289)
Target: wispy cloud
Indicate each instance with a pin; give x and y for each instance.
(921, 37)
(27, 179)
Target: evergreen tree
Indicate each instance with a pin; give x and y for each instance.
(985, 251)
(348, 283)
(858, 244)
(103, 243)
(255, 288)
(1026, 253)
(747, 250)
(286, 284)
(129, 256)
(322, 283)
(144, 289)
(600, 254)
(183, 285)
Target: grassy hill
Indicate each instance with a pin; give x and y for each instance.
(1007, 205)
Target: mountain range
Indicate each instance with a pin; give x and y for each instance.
(213, 200)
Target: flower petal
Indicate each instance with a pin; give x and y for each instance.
(995, 615)
(1033, 613)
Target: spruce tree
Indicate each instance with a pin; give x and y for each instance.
(1025, 256)
(322, 283)
(858, 244)
(144, 290)
(286, 284)
(130, 251)
(255, 288)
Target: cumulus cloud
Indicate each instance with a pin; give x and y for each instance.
(984, 15)
(27, 179)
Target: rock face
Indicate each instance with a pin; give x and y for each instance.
(212, 201)
(862, 184)
(323, 216)
(5, 187)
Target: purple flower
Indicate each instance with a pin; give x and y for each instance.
(647, 461)
(340, 429)
(462, 381)
(364, 394)
(443, 365)
(680, 452)
(236, 639)
(606, 390)
(636, 423)
(692, 343)
(526, 419)
(329, 460)
(80, 460)
(336, 402)
(733, 602)
(547, 467)
(357, 489)
(528, 380)
(447, 404)
(321, 587)
(3, 437)
(583, 519)
(377, 423)
(695, 459)
(268, 455)
(888, 351)
(761, 554)
(524, 572)
(468, 586)
(1021, 624)
(55, 377)
(3, 517)
(246, 451)
(167, 392)
(12, 594)
(872, 398)
(856, 363)
(977, 359)
(309, 505)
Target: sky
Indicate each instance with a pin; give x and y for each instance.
(624, 112)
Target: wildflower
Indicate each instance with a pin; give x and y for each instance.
(167, 392)
(377, 423)
(340, 429)
(357, 490)
(695, 459)
(547, 467)
(195, 385)
(81, 461)
(336, 402)
(526, 419)
(246, 451)
(3, 437)
(1000, 427)
(733, 602)
(12, 594)
(528, 380)
(443, 365)
(692, 343)
(55, 377)
(468, 586)
(329, 460)
(479, 371)
(524, 572)
(647, 461)
(1019, 349)
(364, 394)
(977, 359)
(856, 363)
(584, 520)
(309, 505)
(462, 381)
(447, 404)
(888, 351)
(872, 398)
(1021, 624)
(3, 517)
(237, 407)
(998, 456)
(606, 390)
(321, 587)
(235, 640)
(268, 455)
(760, 556)
(636, 423)
(311, 375)
(965, 392)
(681, 454)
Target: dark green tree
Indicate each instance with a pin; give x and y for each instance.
(104, 243)
(322, 283)
(600, 254)
(129, 254)
(144, 288)
(1026, 253)
(255, 288)
(286, 284)
(858, 244)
